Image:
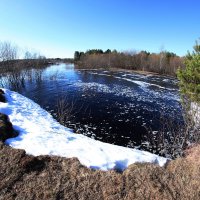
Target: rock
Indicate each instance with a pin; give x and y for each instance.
(6, 128)
(1, 91)
(2, 97)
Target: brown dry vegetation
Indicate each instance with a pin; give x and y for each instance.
(52, 177)
(18, 65)
(162, 63)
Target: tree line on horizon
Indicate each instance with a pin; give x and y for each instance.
(9, 51)
(13, 60)
(164, 62)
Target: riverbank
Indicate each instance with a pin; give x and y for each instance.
(139, 72)
(52, 177)
(55, 177)
(147, 73)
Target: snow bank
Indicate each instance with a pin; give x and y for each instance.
(40, 134)
(195, 112)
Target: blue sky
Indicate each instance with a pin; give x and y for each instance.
(57, 28)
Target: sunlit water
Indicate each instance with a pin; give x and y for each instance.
(114, 107)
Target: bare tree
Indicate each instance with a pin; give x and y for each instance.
(33, 55)
(162, 57)
(28, 55)
(8, 51)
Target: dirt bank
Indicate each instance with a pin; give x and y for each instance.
(52, 177)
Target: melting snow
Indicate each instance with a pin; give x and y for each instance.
(40, 134)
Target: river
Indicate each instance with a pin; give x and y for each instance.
(116, 107)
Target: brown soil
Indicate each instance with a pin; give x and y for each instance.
(6, 128)
(52, 177)
(2, 97)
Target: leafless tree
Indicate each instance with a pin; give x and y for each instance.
(33, 55)
(8, 51)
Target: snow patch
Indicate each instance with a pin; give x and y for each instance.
(40, 134)
(195, 112)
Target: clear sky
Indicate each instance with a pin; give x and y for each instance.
(57, 28)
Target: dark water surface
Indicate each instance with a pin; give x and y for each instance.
(114, 107)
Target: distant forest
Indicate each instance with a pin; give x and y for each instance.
(163, 63)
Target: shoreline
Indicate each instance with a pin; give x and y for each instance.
(146, 73)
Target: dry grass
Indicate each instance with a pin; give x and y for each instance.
(51, 177)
